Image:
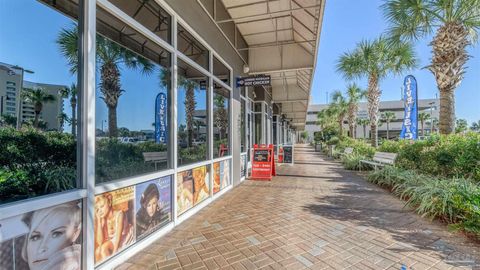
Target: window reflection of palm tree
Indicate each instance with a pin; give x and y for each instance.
(220, 114)
(38, 97)
(190, 104)
(110, 56)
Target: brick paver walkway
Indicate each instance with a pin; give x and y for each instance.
(314, 215)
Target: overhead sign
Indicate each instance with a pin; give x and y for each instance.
(410, 123)
(263, 165)
(161, 118)
(254, 80)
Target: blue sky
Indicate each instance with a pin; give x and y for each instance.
(347, 22)
(343, 27)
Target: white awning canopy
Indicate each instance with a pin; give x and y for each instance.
(281, 39)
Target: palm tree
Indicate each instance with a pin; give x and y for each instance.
(455, 24)
(363, 122)
(423, 117)
(38, 97)
(434, 124)
(110, 56)
(220, 114)
(388, 117)
(62, 118)
(461, 125)
(354, 95)
(475, 126)
(339, 107)
(375, 60)
(71, 92)
(190, 104)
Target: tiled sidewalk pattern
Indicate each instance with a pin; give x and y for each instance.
(314, 215)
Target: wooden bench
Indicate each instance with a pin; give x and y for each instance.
(380, 159)
(155, 157)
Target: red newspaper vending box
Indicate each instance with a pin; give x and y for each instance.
(263, 162)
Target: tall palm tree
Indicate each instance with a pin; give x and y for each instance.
(364, 123)
(423, 117)
(375, 60)
(388, 117)
(339, 107)
(434, 124)
(190, 104)
(455, 25)
(354, 95)
(110, 56)
(62, 119)
(71, 93)
(38, 97)
(220, 114)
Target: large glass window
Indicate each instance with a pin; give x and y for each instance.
(35, 74)
(149, 14)
(192, 118)
(221, 71)
(133, 101)
(243, 130)
(221, 121)
(191, 47)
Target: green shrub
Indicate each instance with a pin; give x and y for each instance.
(14, 186)
(352, 162)
(456, 201)
(359, 147)
(333, 140)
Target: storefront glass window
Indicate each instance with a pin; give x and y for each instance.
(242, 125)
(221, 121)
(191, 47)
(133, 100)
(221, 71)
(192, 118)
(41, 157)
(149, 14)
(258, 128)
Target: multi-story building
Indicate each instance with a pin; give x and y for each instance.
(430, 106)
(11, 103)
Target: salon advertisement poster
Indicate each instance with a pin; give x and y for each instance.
(48, 238)
(221, 175)
(192, 188)
(152, 205)
(114, 222)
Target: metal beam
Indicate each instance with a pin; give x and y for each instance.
(274, 44)
(266, 32)
(266, 14)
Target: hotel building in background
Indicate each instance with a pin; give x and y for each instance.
(429, 106)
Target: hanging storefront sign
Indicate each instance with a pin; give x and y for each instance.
(254, 81)
(263, 165)
(410, 125)
(35, 241)
(161, 118)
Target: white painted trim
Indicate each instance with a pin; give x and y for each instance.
(221, 159)
(193, 166)
(128, 252)
(36, 203)
(114, 185)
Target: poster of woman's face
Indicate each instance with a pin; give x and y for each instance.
(221, 175)
(192, 188)
(48, 238)
(152, 205)
(113, 222)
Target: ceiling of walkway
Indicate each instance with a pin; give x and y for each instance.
(280, 38)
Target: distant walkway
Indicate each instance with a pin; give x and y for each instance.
(314, 215)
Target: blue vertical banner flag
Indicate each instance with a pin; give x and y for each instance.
(410, 123)
(161, 130)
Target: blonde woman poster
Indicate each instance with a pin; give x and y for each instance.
(113, 222)
(201, 189)
(46, 239)
(184, 191)
(216, 177)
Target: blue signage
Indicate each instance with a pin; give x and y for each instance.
(410, 124)
(161, 130)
